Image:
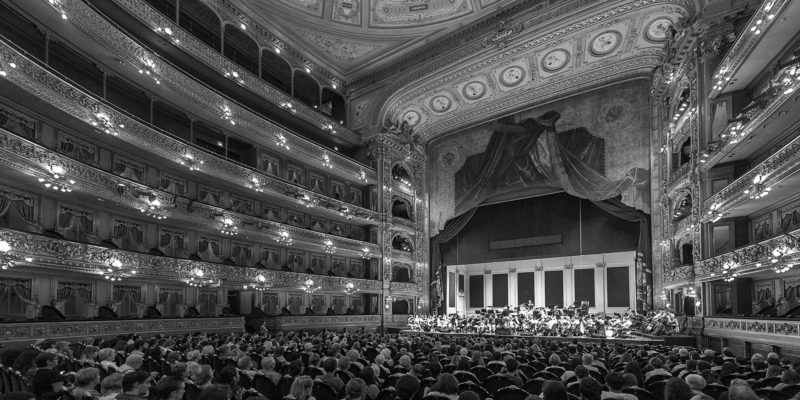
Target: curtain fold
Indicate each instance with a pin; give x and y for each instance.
(450, 230)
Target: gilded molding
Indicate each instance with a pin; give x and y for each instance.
(767, 330)
(743, 46)
(62, 255)
(130, 51)
(775, 168)
(214, 59)
(677, 277)
(32, 159)
(406, 289)
(29, 331)
(33, 78)
(315, 321)
(749, 259)
(679, 179)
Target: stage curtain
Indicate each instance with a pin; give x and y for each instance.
(530, 159)
(618, 209)
(451, 229)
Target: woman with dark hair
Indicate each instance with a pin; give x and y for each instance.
(446, 385)
(368, 375)
(553, 390)
(229, 376)
(677, 389)
(636, 370)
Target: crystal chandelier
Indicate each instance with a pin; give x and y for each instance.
(229, 227)
(189, 160)
(365, 253)
(115, 272)
(326, 161)
(260, 284)
(350, 288)
(283, 238)
(196, 279)
(758, 188)
(715, 213)
(282, 142)
(57, 181)
(8, 260)
(103, 124)
(309, 287)
(329, 247)
(153, 207)
(778, 259)
(256, 184)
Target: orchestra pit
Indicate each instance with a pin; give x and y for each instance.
(399, 199)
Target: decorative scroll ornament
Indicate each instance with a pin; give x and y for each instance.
(116, 271)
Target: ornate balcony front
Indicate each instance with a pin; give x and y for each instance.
(774, 332)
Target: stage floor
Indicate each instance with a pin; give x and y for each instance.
(637, 340)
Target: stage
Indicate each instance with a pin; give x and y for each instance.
(636, 340)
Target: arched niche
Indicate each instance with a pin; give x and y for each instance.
(241, 49)
(402, 208)
(684, 153)
(683, 206)
(400, 174)
(402, 306)
(333, 105)
(276, 71)
(201, 21)
(684, 251)
(305, 89)
(402, 243)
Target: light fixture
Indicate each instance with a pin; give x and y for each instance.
(234, 75)
(7, 260)
(153, 207)
(350, 288)
(149, 68)
(728, 270)
(329, 247)
(758, 188)
(227, 115)
(715, 213)
(115, 271)
(229, 227)
(277, 50)
(365, 253)
(197, 278)
(188, 159)
(261, 283)
(256, 184)
(328, 127)
(388, 300)
(103, 123)
(282, 142)
(283, 237)
(309, 286)
(326, 161)
(57, 180)
(288, 106)
(362, 176)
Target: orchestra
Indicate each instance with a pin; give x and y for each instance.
(545, 321)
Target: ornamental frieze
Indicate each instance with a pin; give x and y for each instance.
(774, 169)
(62, 255)
(679, 276)
(23, 156)
(752, 258)
(405, 289)
(130, 51)
(59, 93)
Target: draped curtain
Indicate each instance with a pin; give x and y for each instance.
(790, 221)
(69, 291)
(438, 269)
(23, 205)
(14, 295)
(122, 293)
(75, 225)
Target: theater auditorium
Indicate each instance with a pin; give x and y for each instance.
(399, 199)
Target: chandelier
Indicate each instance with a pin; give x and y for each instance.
(189, 160)
(153, 207)
(728, 271)
(282, 142)
(326, 161)
(229, 227)
(149, 68)
(8, 260)
(309, 287)
(227, 115)
(115, 272)
(329, 247)
(288, 106)
(260, 284)
(57, 181)
(365, 253)
(103, 124)
(779, 254)
(350, 288)
(256, 184)
(283, 237)
(715, 213)
(196, 279)
(758, 188)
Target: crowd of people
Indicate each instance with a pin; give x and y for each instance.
(374, 366)
(571, 322)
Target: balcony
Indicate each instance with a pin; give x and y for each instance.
(679, 177)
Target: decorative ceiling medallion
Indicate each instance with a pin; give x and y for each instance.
(412, 117)
(474, 90)
(555, 60)
(605, 43)
(512, 75)
(440, 103)
(657, 29)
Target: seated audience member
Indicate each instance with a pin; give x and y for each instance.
(590, 389)
(111, 386)
(446, 385)
(406, 387)
(788, 378)
(615, 382)
(135, 386)
(697, 383)
(170, 388)
(329, 377)
(86, 381)
(215, 392)
(47, 382)
(132, 363)
(552, 390)
(511, 371)
(658, 369)
(268, 369)
(677, 389)
(356, 389)
(301, 389)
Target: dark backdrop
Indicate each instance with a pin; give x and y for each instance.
(584, 229)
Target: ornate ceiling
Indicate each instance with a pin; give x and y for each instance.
(444, 65)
